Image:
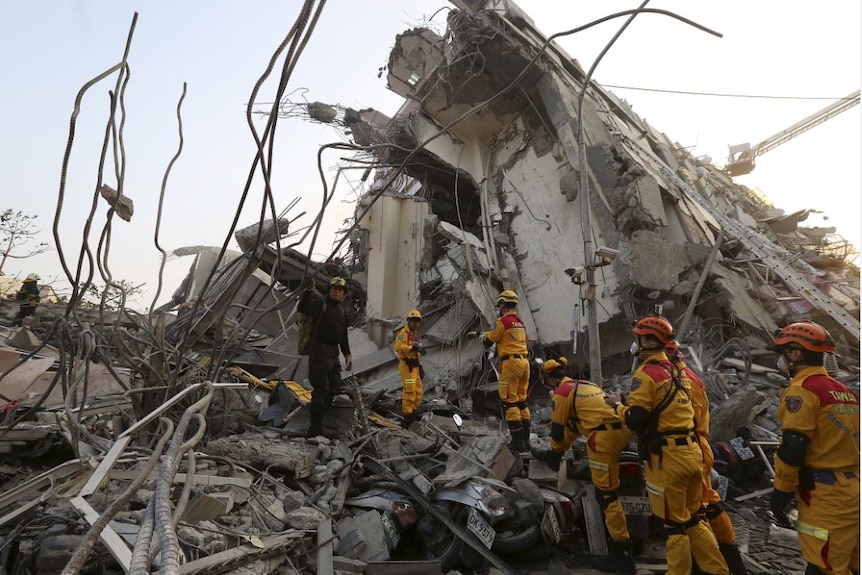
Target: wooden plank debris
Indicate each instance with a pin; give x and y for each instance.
(324, 548)
(198, 478)
(259, 548)
(115, 544)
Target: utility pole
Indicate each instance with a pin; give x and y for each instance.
(594, 258)
(587, 219)
(589, 250)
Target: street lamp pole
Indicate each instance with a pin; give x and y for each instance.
(587, 220)
(590, 255)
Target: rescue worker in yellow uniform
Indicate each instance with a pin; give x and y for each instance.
(819, 453)
(409, 352)
(718, 518)
(580, 409)
(659, 409)
(511, 339)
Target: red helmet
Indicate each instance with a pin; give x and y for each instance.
(807, 334)
(656, 326)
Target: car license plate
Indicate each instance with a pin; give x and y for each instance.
(552, 520)
(635, 505)
(480, 528)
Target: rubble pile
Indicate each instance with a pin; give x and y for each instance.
(257, 496)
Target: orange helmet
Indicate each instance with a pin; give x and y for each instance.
(656, 326)
(807, 334)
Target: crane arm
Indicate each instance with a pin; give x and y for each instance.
(741, 158)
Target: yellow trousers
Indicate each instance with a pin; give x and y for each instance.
(412, 388)
(675, 488)
(828, 525)
(603, 453)
(720, 524)
(512, 387)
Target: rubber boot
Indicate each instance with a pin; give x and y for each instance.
(525, 423)
(517, 433)
(619, 561)
(625, 562)
(730, 552)
(407, 419)
(315, 428)
(605, 563)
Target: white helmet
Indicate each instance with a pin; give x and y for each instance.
(33, 277)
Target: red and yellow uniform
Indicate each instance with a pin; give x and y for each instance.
(511, 339)
(719, 520)
(409, 368)
(580, 409)
(819, 459)
(660, 407)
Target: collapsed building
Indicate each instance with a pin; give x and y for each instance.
(506, 168)
(488, 196)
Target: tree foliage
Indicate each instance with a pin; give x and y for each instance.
(113, 295)
(18, 229)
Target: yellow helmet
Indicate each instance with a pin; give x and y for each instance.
(507, 296)
(338, 282)
(414, 314)
(552, 364)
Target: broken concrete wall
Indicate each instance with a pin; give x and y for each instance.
(394, 253)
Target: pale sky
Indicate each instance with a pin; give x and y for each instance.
(789, 48)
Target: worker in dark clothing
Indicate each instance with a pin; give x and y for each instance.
(327, 336)
(28, 298)
(818, 457)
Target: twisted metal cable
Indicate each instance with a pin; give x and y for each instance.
(82, 553)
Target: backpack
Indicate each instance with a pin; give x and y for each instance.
(305, 326)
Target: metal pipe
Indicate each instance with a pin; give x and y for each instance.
(586, 216)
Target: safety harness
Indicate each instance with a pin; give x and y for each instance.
(652, 439)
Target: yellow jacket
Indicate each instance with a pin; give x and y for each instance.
(827, 412)
(651, 383)
(404, 340)
(580, 409)
(509, 335)
(699, 398)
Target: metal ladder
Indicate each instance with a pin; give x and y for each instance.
(761, 246)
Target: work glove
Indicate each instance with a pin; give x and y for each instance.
(417, 347)
(348, 362)
(777, 503)
(549, 457)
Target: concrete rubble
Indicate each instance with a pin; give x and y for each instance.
(176, 441)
